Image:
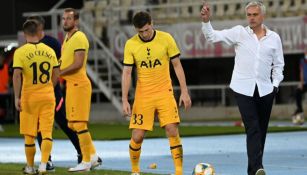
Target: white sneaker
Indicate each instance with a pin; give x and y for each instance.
(83, 166)
(135, 174)
(29, 170)
(42, 168)
(95, 161)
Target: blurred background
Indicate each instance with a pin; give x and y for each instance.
(208, 67)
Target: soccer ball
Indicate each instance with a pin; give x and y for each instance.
(203, 169)
(298, 119)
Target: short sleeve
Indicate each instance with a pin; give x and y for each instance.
(79, 43)
(128, 56)
(17, 63)
(172, 49)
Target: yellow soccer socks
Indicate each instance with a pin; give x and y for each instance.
(85, 140)
(135, 152)
(93, 149)
(85, 144)
(46, 146)
(177, 153)
(30, 150)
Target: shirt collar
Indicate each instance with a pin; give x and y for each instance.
(268, 31)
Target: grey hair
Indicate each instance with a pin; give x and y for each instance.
(256, 3)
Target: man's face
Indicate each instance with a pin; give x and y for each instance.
(145, 32)
(68, 21)
(254, 16)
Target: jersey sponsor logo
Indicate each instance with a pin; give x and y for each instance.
(150, 63)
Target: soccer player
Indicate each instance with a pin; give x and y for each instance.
(78, 87)
(257, 73)
(60, 115)
(151, 52)
(36, 69)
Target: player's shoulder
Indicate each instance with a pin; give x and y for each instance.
(23, 48)
(79, 34)
(77, 37)
(18, 50)
(133, 40)
(44, 46)
(163, 34)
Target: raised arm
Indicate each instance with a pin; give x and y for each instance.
(228, 36)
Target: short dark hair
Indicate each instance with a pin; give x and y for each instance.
(76, 13)
(140, 19)
(30, 27)
(39, 19)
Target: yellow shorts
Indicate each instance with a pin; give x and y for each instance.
(78, 101)
(36, 116)
(145, 109)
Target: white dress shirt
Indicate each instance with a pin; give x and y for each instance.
(256, 61)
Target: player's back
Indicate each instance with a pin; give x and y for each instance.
(37, 61)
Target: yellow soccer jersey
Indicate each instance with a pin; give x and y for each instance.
(37, 61)
(151, 59)
(76, 42)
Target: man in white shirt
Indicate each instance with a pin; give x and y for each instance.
(257, 73)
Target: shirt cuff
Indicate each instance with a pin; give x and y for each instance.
(206, 25)
(207, 28)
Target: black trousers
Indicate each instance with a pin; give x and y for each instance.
(299, 94)
(255, 113)
(60, 119)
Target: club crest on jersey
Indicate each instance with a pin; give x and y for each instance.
(148, 51)
(150, 63)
